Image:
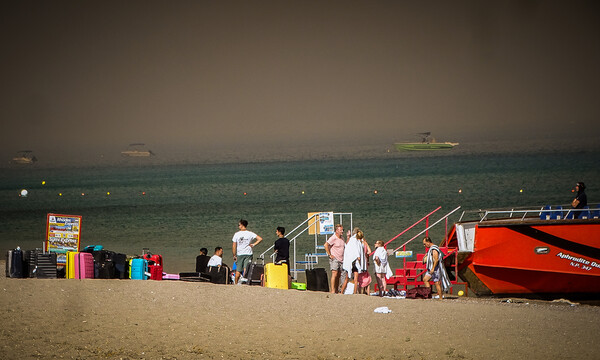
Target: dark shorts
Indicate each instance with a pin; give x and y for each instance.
(242, 262)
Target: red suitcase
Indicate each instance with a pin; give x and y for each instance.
(156, 272)
(153, 259)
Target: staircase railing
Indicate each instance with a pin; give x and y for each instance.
(299, 230)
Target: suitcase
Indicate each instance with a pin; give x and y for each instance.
(121, 266)
(153, 259)
(255, 274)
(46, 266)
(70, 274)
(218, 274)
(16, 263)
(139, 269)
(276, 276)
(103, 264)
(8, 263)
(316, 280)
(156, 272)
(83, 265)
(194, 276)
(170, 276)
(92, 248)
(30, 263)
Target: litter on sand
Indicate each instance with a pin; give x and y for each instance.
(383, 310)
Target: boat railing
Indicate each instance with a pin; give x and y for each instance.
(547, 212)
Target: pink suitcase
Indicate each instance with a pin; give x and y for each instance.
(84, 266)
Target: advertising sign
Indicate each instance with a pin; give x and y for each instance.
(404, 254)
(326, 223)
(62, 235)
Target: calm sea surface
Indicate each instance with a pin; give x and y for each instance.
(176, 209)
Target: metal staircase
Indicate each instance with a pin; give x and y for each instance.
(411, 273)
(308, 233)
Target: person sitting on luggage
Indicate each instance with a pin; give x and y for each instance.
(202, 261)
(217, 258)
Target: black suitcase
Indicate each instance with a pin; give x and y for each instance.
(121, 266)
(30, 262)
(103, 264)
(46, 266)
(218, 274)
(14, 263)
(194, 276)
(8, 262)
(255, 273)
(316, 280)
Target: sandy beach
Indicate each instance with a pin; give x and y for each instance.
(125, 319)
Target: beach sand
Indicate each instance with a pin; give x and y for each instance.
(125, 319)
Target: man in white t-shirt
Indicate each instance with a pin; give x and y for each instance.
(242, 247)
(217, 258)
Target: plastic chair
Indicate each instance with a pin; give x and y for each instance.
(596, 213)
(545, 214)
(585, 214)
(557, 214)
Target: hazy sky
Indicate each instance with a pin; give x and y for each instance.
(81, 74)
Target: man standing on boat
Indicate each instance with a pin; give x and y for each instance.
(242, 247)
(435, 268)
(580, 200)
(334, 246)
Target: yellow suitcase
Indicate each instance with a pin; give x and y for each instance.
(70, 273)
(276, 276)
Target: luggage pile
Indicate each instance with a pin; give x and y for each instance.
(93, 262)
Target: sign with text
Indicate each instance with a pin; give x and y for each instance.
(326, 226)
(62, 235)
(404, 254)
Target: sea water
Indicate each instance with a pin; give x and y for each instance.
(174, 210)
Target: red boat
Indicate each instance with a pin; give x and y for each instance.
(545, 252)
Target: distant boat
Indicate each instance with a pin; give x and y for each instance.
(137, 150)
(426, 143)
(24, 157)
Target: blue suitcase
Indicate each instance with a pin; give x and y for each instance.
(139, 269)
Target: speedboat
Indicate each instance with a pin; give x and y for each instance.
(24, 157)
(137, 150)
(426, 143)
(545, 252)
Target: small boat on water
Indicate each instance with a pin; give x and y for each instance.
(24, 157)
(137, 150)
(426, 143)
(544, 252)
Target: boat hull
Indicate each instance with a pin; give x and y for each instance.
(536, 257)
(136, 153)
(424, 146)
